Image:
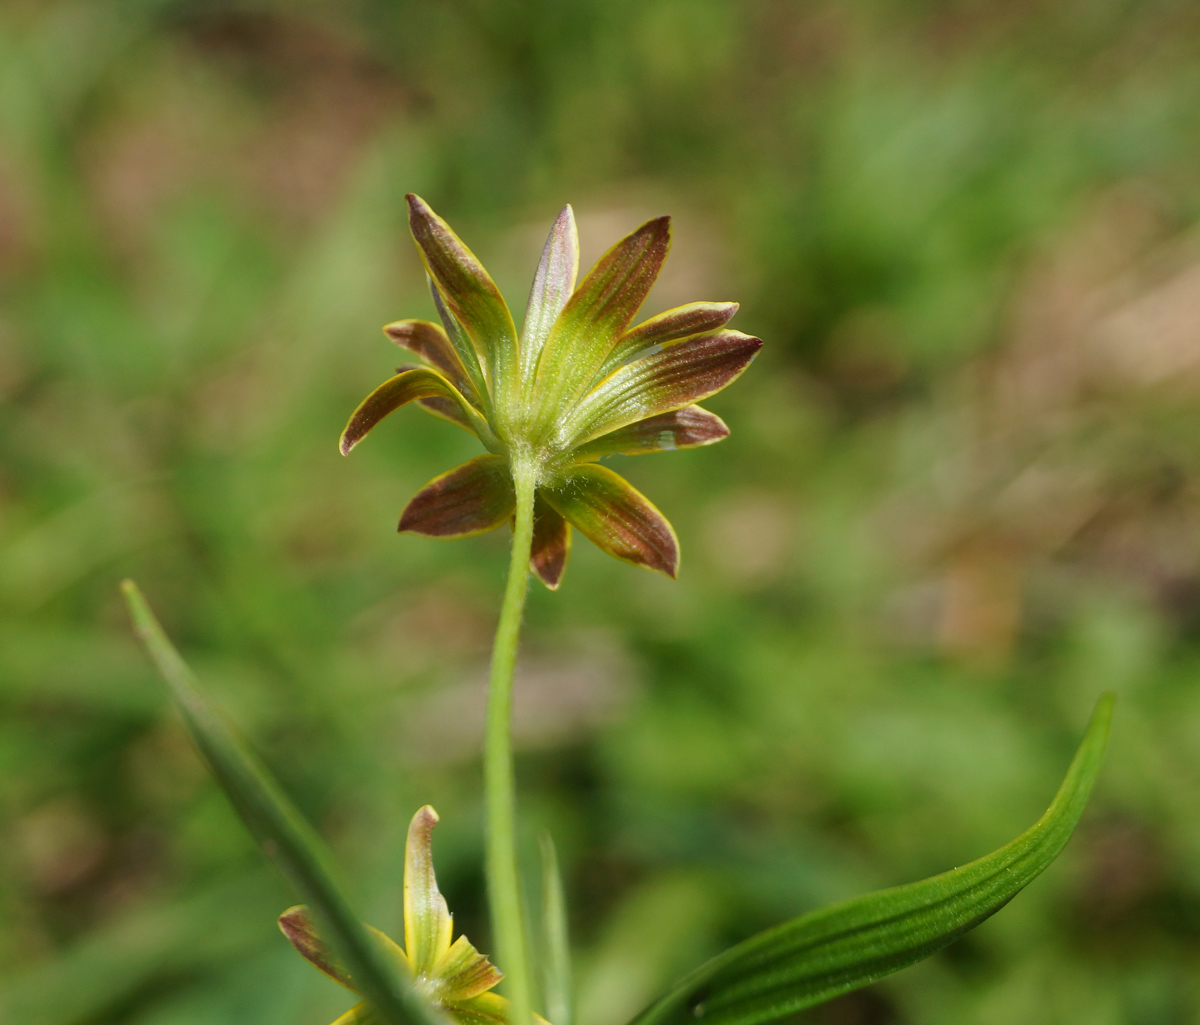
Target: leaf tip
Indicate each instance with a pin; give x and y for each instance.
(135, 603)
(1102, 715)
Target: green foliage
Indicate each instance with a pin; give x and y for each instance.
(958, 501)
(279, 829)
(841, 948)
(790, 967)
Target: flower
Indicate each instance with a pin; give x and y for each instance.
(452, 976)
(578, 384)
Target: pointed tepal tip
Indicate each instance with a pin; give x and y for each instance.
(657, 234)
(667, 555)
(550, 574)
(419, 212)
(420, 833)
(426, 816)
(294, 920)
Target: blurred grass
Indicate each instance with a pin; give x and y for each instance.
(959, 501)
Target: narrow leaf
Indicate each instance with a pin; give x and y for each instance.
(430, 342)
(427, 923)
(615, 517)
(405, 387)
(551, 543)
(279, 828)
(470, 499)
(556, 949)
(552, 286)
(600, 310)
(829, 952)
(689, 427)
(675, 377)
(469, 292)
(672, 326)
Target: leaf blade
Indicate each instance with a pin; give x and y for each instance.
(278, 826)
(837, 949)
(556, 947)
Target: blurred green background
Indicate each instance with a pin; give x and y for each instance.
(961, 497)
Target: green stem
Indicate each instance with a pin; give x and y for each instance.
(504, 890)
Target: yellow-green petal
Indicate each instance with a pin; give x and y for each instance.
(689, 427)
(297, 925)
(446, 409)
(551, 547)
(359, 1014)
(301, 931)
(672, 326)
(408, 386)
(469, 292)
(487, 1009)
(427, 922)
(430, 342)
(598, 313)
(473, 498)
(671, 379)
(552, 287)
(616, 517)
(463, 972)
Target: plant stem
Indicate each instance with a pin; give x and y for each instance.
(504, 890)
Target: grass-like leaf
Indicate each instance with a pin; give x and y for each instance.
(280, 829)
(821, 955)
(556, 948)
